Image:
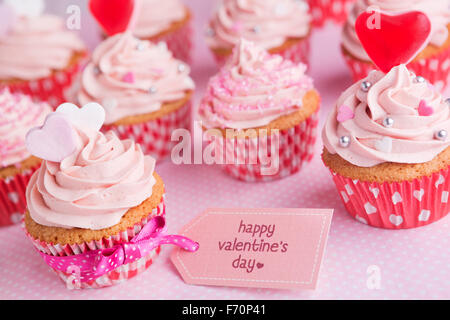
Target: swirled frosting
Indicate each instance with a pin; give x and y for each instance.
(95, 186)
(131, 77)
(36, 46)
(253, 89)
(268, 23)
(396, 95)
(18, 114)
(437, 10)
(156, 16)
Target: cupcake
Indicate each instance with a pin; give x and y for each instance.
(279, 26)
(18, 114)
(39, 56)
(387, 147)
(431, 62)
(329, 10)
(168, 21)
(92, 194)
(142, 103)
(260, 110)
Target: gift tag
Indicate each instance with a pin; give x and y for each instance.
(263, 248)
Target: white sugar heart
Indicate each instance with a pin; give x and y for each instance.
(16, 217)
(384, 145)
(396, 198)
(396, 220)
(424, 215)
(14, 197)
(361, 219)
(418, 194)
(91, 115)
(444, 196)
(349, 189)
(375, 192)
(29, 8)
(440, 181)
(344, 197)
(370, 208)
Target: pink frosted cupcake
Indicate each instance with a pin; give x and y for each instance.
(39, 55)
(142, 103)
(279, 26)
(431, 63)
(329, 10)
(261, 112)
(387, 146)
(168, 21)
(18, 114)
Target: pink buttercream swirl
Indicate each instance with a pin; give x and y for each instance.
(35, 46)
(437, 10)
(123, 72)
(253, 89)
(396, 95)
(156, 16)
(18, 114)
(95, 186)
(268, 23)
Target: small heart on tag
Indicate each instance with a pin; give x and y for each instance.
(345, 113)
(260, 265)
(91, 115)
(424, 109)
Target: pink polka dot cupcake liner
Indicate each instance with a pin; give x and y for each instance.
(399, 205)
(155, 136)
(179, 42)
(12, 197)
(298, 53)
(295, 148)
(50, 89)
(329, 10)
(116, 276)
(435, 69)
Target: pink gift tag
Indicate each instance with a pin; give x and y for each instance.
(263, 248)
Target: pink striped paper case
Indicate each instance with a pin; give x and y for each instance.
(119, 274)
(298, 53)
(296, 147)
(329, 10)
(435, 69)
(50, 89)
(398, 205)
(12, 197)
(155, 136)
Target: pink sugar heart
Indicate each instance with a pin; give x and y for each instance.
(424, 109)
(54, 141)
(345, 113)
(7, 18)
(128, 77)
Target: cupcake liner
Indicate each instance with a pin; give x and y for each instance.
(154, 136)
(119, 274)
(296, 147)
(324, 10)
(296, 53)
(435, 69)
(50, 89)
(12, 197)
(398, 205)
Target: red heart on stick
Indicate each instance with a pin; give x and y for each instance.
(114, 16)
(397, 39)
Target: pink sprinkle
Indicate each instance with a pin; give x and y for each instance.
(128, 77)
(424, 109)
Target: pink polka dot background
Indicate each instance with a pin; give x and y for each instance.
(412, 263)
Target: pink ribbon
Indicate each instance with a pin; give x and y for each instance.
(94, 264)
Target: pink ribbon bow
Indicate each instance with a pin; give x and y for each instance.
(94, 264)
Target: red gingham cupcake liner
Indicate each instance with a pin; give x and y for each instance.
(296, 53)
(435, 69)
(324, 10)
(50, 89)
(155, 136)
(115, 276)
(12, 197)
(398, 205)
(296, 147)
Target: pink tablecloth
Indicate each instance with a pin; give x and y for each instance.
(412, 263)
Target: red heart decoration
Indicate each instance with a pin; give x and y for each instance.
(396, 40)
(114, 16)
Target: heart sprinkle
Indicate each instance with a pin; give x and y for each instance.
(128, 77)
(345, 113)
(424, 109)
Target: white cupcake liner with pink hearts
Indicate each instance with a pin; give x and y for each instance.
(435, 69)
(154, 136)
(12, 197)
(329, 10)
(398, 205)
(296, 147)
(115, 276)
(298, 53)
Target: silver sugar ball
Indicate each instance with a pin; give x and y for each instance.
(210, 32)
(447, 101)
(256, 29)
(152, 90)
(441, 135)
(388, 122)
(344, 141)
(140, 46)
(181, 67)
(97, 70)
(365, 86)
(420, 79)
